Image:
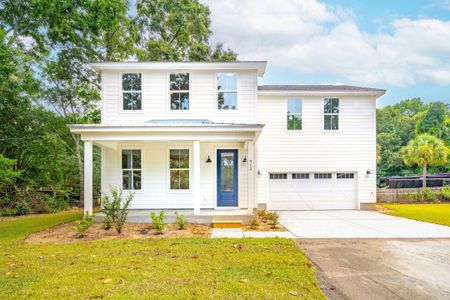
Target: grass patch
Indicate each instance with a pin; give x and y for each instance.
(20, 228)
(199, 268)
(433, 213)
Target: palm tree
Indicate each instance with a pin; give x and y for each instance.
(425, 150)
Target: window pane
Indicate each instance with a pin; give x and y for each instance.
(184, 179)
(132, 81)
(327, 122)
(184, 101)
(294, 122)
(334, 122)
(335, 105)
(227, 172)
(136, 159)
(227, 100)
(174, 158)
(294, 106)
(174, 179)
(184, 158)
(132, 101)
(179, 81)
(327, 105)
(179, 101)
(136, 180)
(126, 159)
(226, 81)
(126, 180)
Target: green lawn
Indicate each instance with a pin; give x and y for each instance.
(20, 228)
(194, 268)
(433, 213)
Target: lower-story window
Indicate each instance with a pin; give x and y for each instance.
(278, 176)
(345, 175)
(300, 175)
(179, 169)
(131, 169)
(322, 175)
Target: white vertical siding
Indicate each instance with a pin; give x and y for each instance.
(155, 97)
(352, 148)
(155, 191)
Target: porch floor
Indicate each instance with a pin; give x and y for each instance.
(206, 216)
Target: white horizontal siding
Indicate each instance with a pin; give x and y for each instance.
(155, 191)
(352, 148)
(155, 97)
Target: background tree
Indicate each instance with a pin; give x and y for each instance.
(423, 151)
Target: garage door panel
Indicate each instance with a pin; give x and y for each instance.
(312, 194)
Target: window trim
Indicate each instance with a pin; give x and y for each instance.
(287, 114)
(169, 92)
(142, 169)
(178, 147)
(130, 111)
(331, 114)
(216, 82)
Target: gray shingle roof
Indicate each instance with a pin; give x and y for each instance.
(317, 88)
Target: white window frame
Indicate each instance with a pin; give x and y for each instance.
(293, 114)
(226, 91)
(132, 91)
(169, 188)
(141, 169)
(169, 107)
(331, 114)
(302, 174)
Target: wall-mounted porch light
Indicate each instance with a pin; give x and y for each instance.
(368, 172)
(208, 160)
(245, 159)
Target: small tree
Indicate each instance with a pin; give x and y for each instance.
(425, 150)
(116, 209)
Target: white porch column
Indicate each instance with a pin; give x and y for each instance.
(196, 175)
(251, 176)
(88, 203)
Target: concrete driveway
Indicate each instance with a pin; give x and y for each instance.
(357, 224)
(381, 268)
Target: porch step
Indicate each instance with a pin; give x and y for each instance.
(227, 224)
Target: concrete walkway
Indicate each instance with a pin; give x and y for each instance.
(238, 233)
(357, 224)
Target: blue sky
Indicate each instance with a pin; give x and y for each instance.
(402, 46)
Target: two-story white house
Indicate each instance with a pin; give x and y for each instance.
(207, 138)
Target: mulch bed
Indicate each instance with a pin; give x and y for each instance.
(264, 227)
(65, 233)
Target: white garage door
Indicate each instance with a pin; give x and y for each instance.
(312, 191)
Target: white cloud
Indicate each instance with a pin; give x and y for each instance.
(311, 37)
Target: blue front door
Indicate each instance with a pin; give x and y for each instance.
(227, 178)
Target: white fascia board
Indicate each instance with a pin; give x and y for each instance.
(376, 94)
(259, 66)
(83, 128)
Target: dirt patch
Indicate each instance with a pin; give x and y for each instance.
(264, 227)
(381, 208)
(65, 233)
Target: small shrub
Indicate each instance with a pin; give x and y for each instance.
(262, 215)
(22, 208)
(81, 226)
(116, 209)
(428, 195)
(445, 192)
(254, 223)
(8, 212)
(158, 221)
(272, 219)
(181, 220)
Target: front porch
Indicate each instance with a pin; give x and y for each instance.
(205, 170)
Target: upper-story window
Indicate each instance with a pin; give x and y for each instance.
(226, 91)
(331, 114)
(294, 114)
(179, 91)
(132, 91)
